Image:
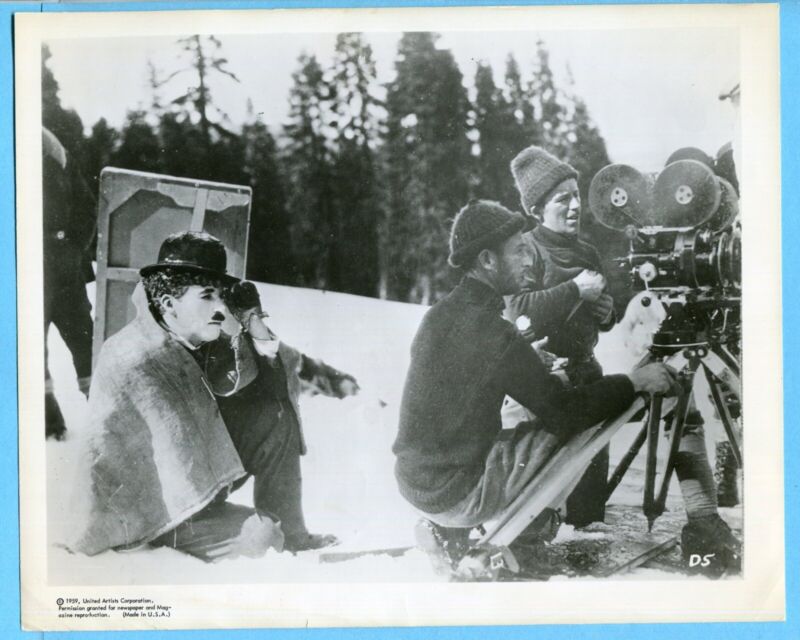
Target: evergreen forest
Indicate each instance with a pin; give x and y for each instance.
(357, 190)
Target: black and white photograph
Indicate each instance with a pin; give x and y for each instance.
(411, 302)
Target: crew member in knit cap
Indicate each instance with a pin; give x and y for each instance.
(481, 224)
(455, 464)
(565, 301)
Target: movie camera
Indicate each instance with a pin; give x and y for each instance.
(684, 246)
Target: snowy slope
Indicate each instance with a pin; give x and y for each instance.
(349, 485)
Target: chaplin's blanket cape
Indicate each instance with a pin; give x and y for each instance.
(157, 449)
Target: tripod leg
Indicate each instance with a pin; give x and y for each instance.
(728, 359)
(674, 444)
(725, 373)
(653, 425)
(724, 414)
(630, 455)
(625, 463)
(681, 411)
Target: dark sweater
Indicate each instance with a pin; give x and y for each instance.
(551, 303)
(465, 359)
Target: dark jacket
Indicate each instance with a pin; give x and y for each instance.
(70, 211)
(465, 359)
(552, 302)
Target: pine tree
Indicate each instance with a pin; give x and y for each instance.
(549, 111)
(309, 159)
(139, 149)
(518, 97)
(428, 160)
(204, 61)
(155, 82)
(485, 119)
(500, 135)
(355, 107)
(184, 150)
(587, 149)
(193, 141)
(269, 254)
(99, 149)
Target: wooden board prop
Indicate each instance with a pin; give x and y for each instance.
(136, 212)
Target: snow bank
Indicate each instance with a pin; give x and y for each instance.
(349, 487)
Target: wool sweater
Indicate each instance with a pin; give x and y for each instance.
(465, 359)
(552, 303)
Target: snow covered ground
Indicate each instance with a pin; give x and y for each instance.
(349, 487)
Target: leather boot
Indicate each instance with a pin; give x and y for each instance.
(445, 546)
(709, 547)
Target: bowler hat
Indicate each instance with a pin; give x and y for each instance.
(193, 251)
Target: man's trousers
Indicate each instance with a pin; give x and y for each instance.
(67, 306)
(515, 458)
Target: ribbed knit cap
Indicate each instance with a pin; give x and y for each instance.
(480, 225)
(536, 173)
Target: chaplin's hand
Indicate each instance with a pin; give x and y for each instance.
(259, 533)
(245, 305)
(243, 301)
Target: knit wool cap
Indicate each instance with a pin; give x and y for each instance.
(480, 225)
(537, 173)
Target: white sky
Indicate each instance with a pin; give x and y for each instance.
(649, 91)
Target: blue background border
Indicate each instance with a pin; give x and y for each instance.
(9, 504)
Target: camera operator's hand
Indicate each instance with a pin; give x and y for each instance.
(655, 378)
(590, 284)
(603, 308)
